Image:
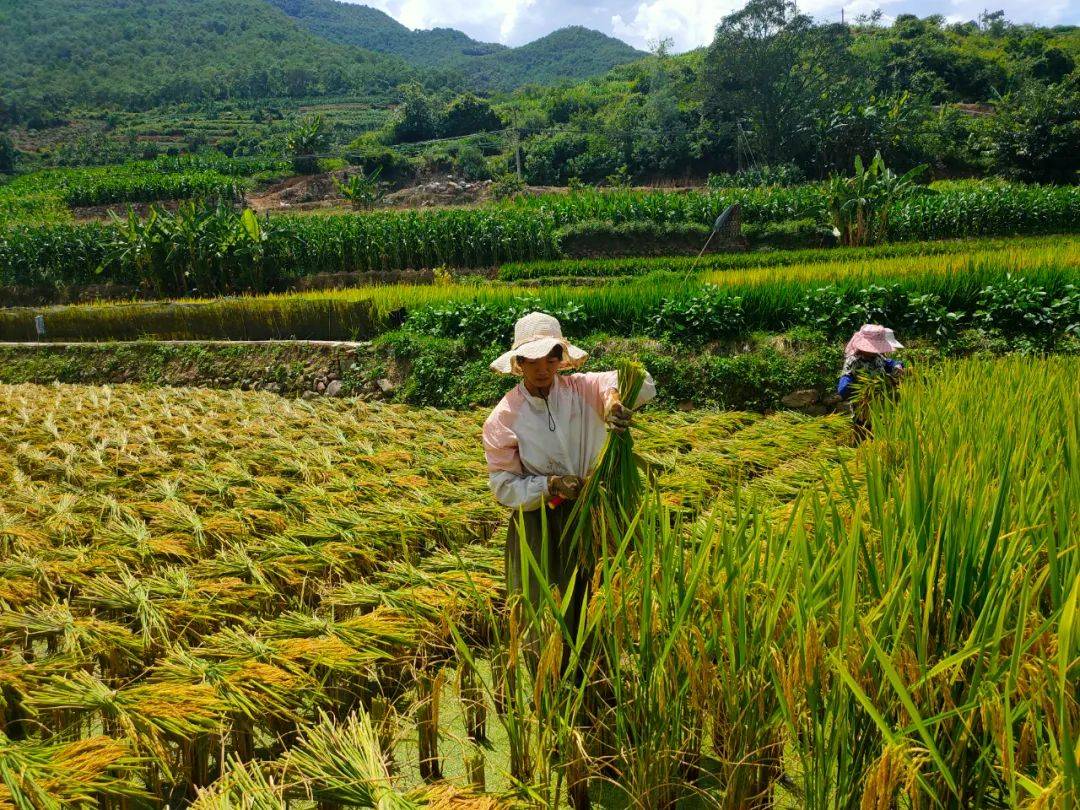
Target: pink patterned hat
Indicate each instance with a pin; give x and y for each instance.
(873, 339)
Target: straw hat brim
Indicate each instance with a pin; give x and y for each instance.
(535, 349)
(881, 345)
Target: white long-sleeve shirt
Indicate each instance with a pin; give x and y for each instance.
(522, 449)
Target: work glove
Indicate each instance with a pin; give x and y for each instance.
(616, 415)
(567, 487)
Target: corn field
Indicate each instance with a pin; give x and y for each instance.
(292, 247)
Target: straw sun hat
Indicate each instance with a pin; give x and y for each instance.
(873, 339)
(535, 335)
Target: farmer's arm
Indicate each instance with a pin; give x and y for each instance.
(507, 479)
(844, 386)
(518, 491)
(598, 388)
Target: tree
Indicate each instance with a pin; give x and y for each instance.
(415, 119)
(1035, 135)
(8, 154)
(305, 143)
(659, 133)
(468, 114)
(768, 73)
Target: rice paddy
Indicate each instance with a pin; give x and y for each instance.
(768, 297)
(204, 594)
(229, 599)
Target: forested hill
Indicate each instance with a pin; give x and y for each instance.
(569, 53)
(59, 54)
(141, 53)
(366, 27)
(566, 53)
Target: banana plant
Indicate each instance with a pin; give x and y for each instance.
(860, 205)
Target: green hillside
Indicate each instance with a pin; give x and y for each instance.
(142, 53)
(570, 53)
(366, 27)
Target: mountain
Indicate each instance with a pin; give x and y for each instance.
(570, 53)
(366, 27)
(58, 54)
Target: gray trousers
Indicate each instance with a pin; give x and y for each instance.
(541, 532)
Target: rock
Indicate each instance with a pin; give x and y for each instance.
(385, 385)
(800, 399)
(273, 388)
(334, 388)
(686, 405)
(320, 386)
(831, 400)
(309, 395)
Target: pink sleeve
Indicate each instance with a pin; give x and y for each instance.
(594, 385)
(500, 441)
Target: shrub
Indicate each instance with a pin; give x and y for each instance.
(372, 156)
(789, 234)
(699, 317)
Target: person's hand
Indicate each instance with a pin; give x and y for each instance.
(616, 415)
(567, 487)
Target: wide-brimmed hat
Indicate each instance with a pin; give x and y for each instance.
(535, 335)
(873, 339)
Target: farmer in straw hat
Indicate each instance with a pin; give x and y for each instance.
(541, 441)
(867, 354)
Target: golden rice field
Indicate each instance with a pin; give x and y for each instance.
(233, 600)
(192, 580)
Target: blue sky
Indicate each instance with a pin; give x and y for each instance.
(688, 22)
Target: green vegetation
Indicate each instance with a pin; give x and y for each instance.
(968, 99)
(210, 608)
(62, 53)
(777, 90)
(926, 294)
(165, 253)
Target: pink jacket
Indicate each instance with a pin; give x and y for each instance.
(522, 449)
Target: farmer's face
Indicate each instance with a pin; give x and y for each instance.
(540, 373)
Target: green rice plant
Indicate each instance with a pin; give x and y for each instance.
(770, 298)
(613, 488)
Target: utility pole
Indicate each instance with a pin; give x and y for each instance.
(517, 145)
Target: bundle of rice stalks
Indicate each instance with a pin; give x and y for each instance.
(54, 775)
(345, 764)
(611, 496)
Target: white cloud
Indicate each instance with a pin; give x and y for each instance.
(690, 23)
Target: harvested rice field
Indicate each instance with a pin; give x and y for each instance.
(189, 572)
(226, 599)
